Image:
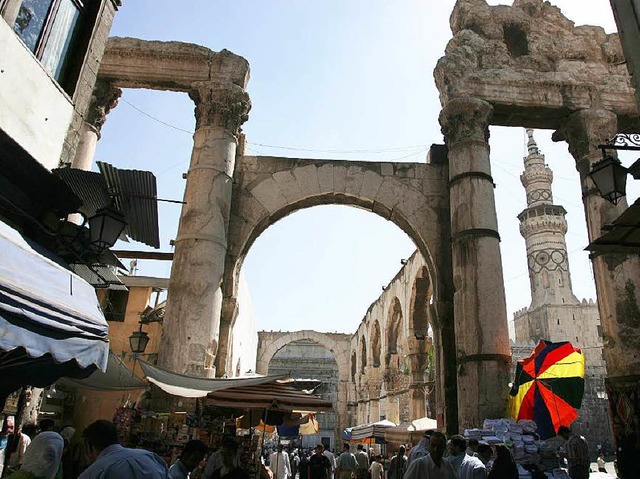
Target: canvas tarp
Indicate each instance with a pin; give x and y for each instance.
(254, 392)
(193, 387)
(373, 432)
(410, 432)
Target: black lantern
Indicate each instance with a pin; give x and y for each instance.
(138, 341)
(105, 227)
(610, 177)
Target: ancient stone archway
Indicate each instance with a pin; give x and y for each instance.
(231, 199)
(527, 65)
(394, 324)
(269, 343)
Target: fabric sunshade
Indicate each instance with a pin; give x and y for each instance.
(375, 430)
(263, 392)
(409, 431)
(47, 312)
(117, 377)
(193, 387)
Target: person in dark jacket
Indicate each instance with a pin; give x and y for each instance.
(504, 467)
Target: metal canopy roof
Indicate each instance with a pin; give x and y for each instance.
(623, 235)
(133, 192)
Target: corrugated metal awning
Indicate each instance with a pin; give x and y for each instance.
(133, 192)
(623, 235)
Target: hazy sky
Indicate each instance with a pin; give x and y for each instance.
(329, 77)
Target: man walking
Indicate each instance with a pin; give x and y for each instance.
(319, 466)
(362, 463)
(432, 466)
(346, 463)
(577, 452)
(279, 464)
(398, 465)
(332, 461)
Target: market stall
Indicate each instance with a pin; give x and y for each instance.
(225, 406)
(372, 433)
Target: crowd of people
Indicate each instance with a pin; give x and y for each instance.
(44, 453)
(433, 457)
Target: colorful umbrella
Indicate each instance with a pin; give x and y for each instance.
(549, 386)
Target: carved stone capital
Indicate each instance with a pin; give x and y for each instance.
(586, 129)
(464, 119)
(224, 105)
(104, 98)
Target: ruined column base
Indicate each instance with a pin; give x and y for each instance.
(624, 401)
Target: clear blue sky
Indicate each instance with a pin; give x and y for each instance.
(329, 75)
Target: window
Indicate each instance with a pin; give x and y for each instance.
(115, 305)
(57, 32)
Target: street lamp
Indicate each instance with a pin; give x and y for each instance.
(105, 227)
(138, 341)
(610, 177)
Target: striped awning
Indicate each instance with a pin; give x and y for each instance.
(46, 311)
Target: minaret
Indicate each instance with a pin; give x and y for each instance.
(543, 227)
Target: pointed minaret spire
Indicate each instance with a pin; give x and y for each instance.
(531, 144)
(543, 226)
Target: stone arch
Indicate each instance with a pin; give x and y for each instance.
(394, 323)
(413, 196)
(376, 344)
(421, 296)
(278, 340)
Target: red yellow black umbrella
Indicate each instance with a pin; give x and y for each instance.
(549, 386)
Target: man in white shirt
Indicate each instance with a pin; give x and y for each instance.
(472, 468)
(332, 460)
(279, 464)
(432, 466)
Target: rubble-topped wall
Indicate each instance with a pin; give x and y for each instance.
(532, 64)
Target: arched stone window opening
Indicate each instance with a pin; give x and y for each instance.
(363, 355)
(376, 345)
(393, 330)
(421, 298)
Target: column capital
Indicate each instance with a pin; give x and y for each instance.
(464, 119)
(224, 105)
(104, 98)
(584, 130)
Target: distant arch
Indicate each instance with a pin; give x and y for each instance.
(394, 322)
(271, 343)
(354, 366)
(421, 297)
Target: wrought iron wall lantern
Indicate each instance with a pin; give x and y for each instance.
(608, 174)
(105, 227)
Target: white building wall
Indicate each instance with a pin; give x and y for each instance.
(244, 334)
(35, 112)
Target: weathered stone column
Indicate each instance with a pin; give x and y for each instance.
(418, 362)
(481, 331)
(103, 99)
(617, 279)
(192, 319)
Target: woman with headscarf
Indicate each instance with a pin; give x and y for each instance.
(67, 433)
(42, 459)
(504, 467)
